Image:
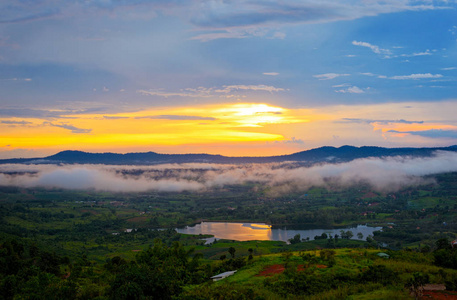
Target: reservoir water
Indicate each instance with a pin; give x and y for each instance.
(264, 232)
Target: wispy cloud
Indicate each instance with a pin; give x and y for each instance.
(374, 48)
(70, 127)
(328, 76)
(16, 122)
(177, 117)
(183, 93)
(271, 73)
(351, 90)
(449, 69)
(416, 76)
(381, 121)
(44, 114)
(424, 53)
(206, 37)
(431, 133)
(241, 15)
(202, 92)
(293, 140)
(16, 79)
(261, 87)
(114, 117)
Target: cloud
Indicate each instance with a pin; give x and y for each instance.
(449, 68)
(193, 93)
(351, 90)
(16, 122)
(177, 117)
(243, 15)
(203, 92)
(382, 174)
(206, 37)
(261, 87)
(293, 140)
(114, 117)
(416, 76)
(218, 19)
(374, 48)
(72, 128)
(43, 113)
(328, 76)
(16, 79)
(385, 122)
(422, 53)
(431, 133)
(271, 73)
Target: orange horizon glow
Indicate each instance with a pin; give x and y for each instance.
(230, 129)
(240, 123)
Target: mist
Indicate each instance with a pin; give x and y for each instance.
(382, 174)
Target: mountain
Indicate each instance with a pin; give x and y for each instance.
(318, 155)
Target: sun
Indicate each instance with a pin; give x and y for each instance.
(252, 109)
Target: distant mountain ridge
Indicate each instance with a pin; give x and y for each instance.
(317, 155)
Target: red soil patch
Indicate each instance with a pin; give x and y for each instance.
(272, 270)
(302, 267)
(278, 269)
(440, 295)
(437, 291)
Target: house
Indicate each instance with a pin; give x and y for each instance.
(222, 275)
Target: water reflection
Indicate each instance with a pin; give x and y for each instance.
(263, 232)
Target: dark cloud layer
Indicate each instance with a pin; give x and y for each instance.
(431, 133)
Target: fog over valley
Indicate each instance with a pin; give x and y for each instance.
(382, 174)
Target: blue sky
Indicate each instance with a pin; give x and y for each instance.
(366, 68)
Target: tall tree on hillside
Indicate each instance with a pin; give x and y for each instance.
(232, 251)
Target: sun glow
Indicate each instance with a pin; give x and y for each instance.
(210, 124)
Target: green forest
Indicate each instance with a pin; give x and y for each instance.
(75, 244)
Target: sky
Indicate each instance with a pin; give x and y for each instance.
(237, 78)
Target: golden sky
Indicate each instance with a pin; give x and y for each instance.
(236, 129)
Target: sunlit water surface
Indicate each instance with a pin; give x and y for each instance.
(263, 232)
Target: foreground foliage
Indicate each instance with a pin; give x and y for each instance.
(177, 272)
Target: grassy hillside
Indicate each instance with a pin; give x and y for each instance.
(325, 274)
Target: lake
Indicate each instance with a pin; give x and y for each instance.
(263, 232)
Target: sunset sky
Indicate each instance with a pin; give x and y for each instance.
(233, 77)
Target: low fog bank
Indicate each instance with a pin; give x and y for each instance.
(383, 174)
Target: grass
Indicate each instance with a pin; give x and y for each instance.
(348, 261)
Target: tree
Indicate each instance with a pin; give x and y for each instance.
(360, 235)
(295, 240)
(232, 251)
(443, 244)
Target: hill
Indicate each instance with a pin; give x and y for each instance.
(317, 155)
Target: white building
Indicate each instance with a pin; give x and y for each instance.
(222, 275)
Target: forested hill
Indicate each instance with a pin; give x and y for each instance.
(323, 154)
